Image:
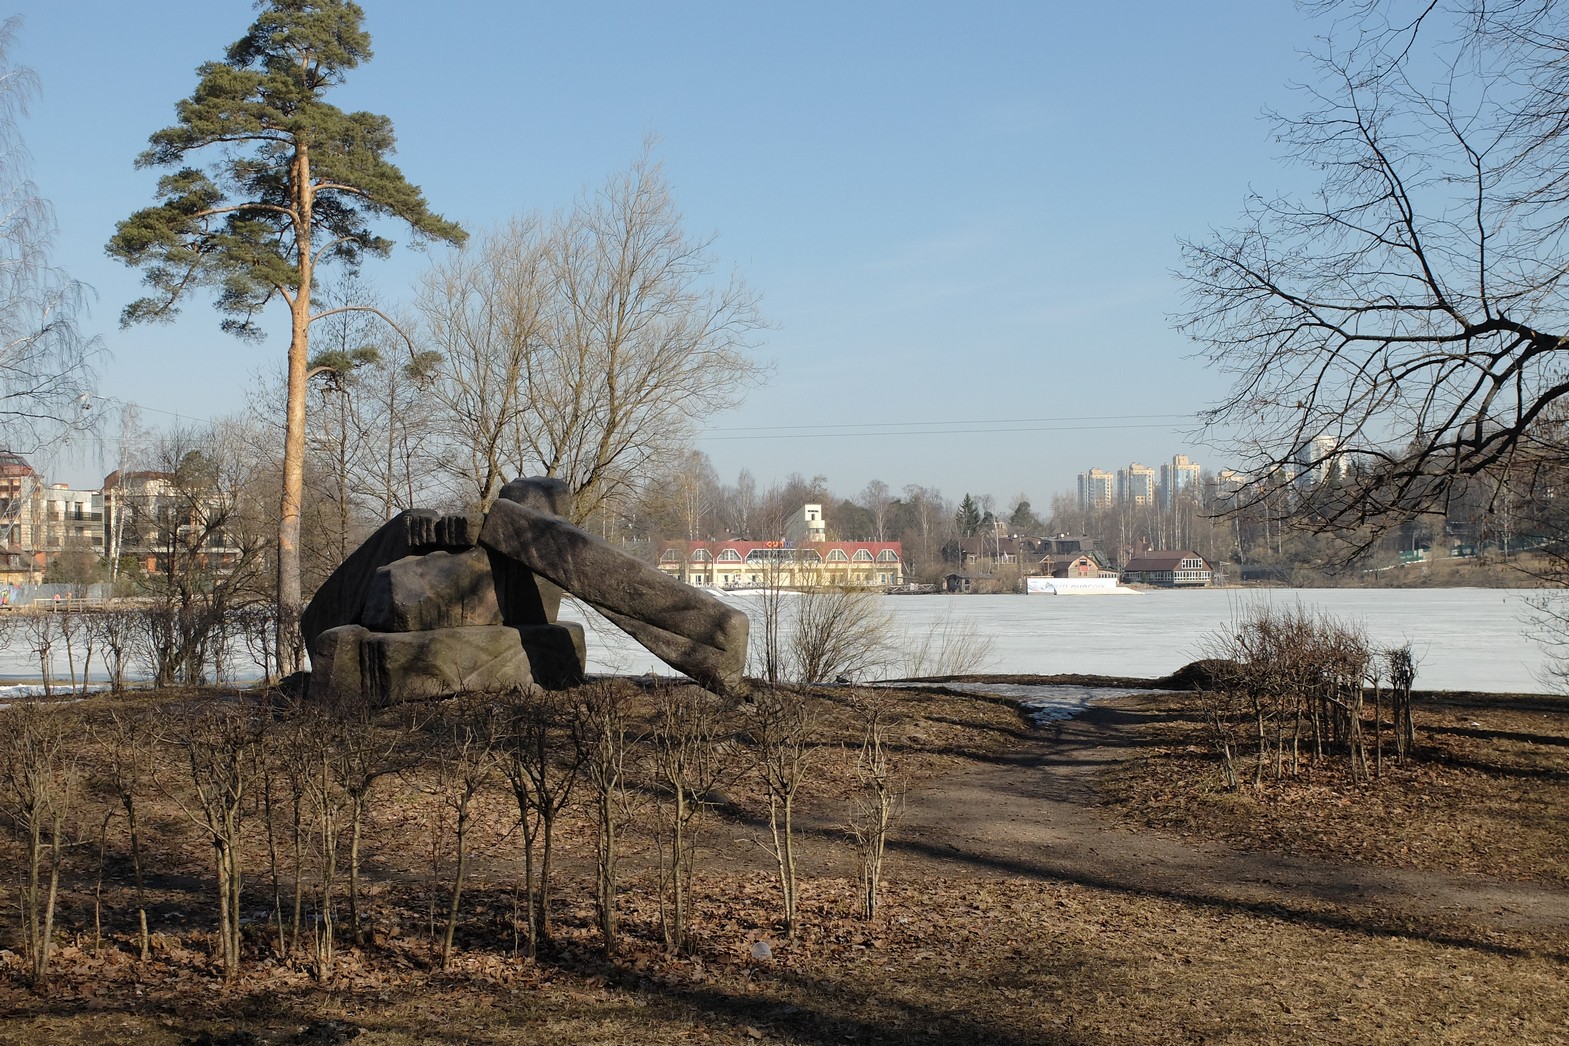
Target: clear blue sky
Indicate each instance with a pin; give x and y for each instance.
(962, 219)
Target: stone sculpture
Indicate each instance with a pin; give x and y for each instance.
(434, 605)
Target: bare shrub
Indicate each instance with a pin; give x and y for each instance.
(38, 788)
(689, 752)
(40, 631)
(155, 638)
(73, 633)
(604, 737)
(950, 646)
(113, 629)
(784, 730)
(538, 752)
(219, 741)
(1400, 664)
(838, 633)
(363, 750)
(127, 737)
(293, 771)
(462, 736)
(878, 799)
(323, 761)
(770, 621)
(1291, 691)
(256, 625)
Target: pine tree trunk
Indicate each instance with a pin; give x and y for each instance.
(289, 584)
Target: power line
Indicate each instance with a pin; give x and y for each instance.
(925, 423)
(113, 401)
(839, 432)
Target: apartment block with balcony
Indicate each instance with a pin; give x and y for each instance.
(18, 485)
(149, 517)
(65, 520)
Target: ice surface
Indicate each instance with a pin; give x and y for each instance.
(1464, 638)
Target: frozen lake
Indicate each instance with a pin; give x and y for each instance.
(1464, 638)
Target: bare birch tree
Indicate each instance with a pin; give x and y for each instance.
(45, 358)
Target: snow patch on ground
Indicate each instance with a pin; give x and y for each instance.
(1045, 703)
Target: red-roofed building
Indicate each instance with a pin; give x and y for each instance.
(783, 564)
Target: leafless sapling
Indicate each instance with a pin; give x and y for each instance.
(878, 799)
(217, 741)
(38, 786)
(689, 752)
(784, 730)
(127, 737)
(538, 755)
(462, 736)
(604, 736)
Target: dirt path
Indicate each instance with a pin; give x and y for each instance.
(1035, 814)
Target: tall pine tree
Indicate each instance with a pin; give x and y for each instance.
(291, 183)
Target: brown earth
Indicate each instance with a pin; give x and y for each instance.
(1084, 883)
(1040, 813)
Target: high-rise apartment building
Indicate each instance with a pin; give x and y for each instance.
(1136, 485)
(1317, 460)
(1097, 489)
(1229, 484)
(1181, 475)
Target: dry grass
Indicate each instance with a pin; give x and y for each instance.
(1004, 963)
(1487, 792)
(949, 960)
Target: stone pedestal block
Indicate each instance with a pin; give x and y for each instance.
(422, 666)
(335, 665)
